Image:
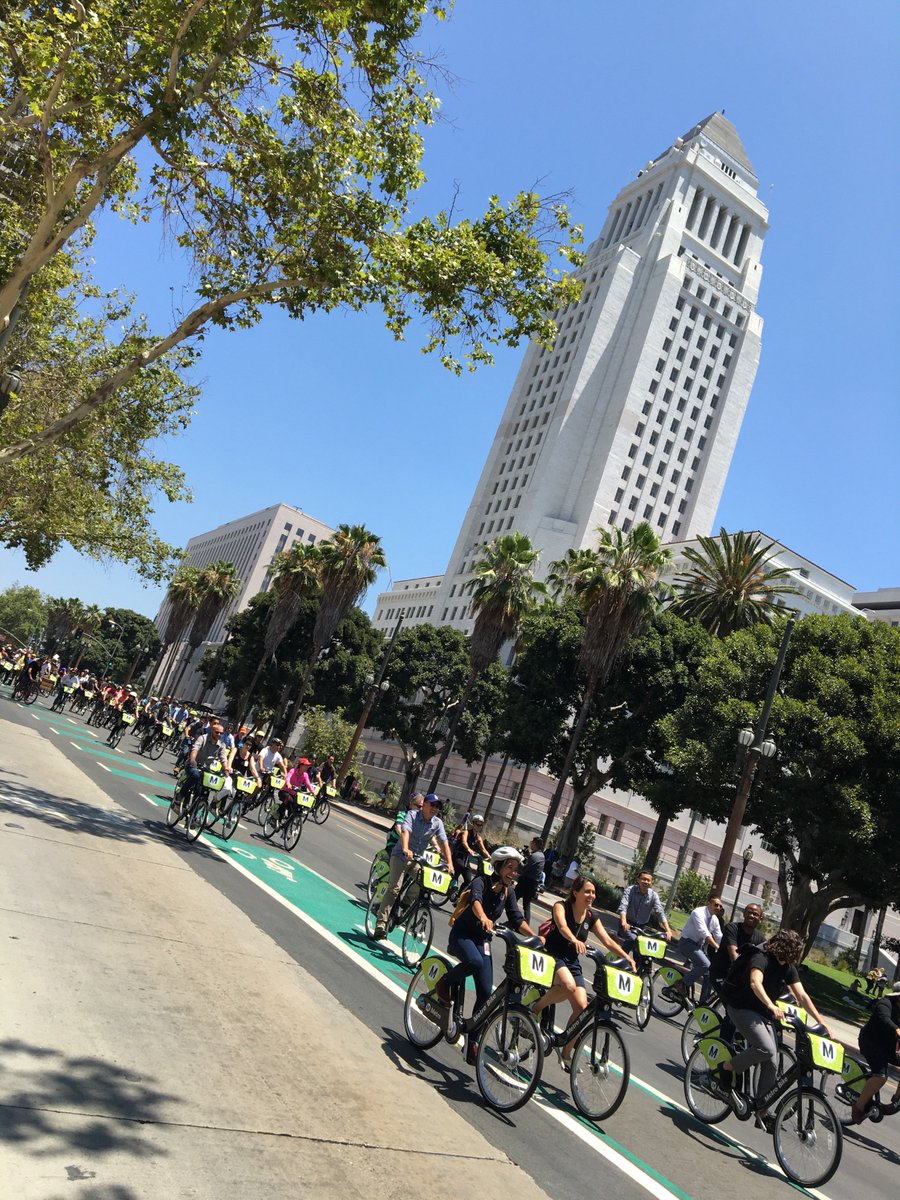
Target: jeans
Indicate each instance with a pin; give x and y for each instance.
(695, 953)
(472, 961)
(761, 1046)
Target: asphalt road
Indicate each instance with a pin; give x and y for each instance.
(313, 902)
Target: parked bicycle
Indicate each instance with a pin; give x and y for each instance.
(510, 1053)
(805, 1128)
(411, 909)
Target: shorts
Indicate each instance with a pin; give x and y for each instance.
(574, 965)
(879, 1052)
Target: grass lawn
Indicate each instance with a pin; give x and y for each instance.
(828, 986)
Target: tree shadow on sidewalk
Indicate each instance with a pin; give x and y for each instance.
(53, 1104)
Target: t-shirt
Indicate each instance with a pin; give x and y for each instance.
(270, 759)
(420, 832)
(734, 934)
(494, 903)
(776, 976)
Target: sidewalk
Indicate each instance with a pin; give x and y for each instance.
(157, 1044)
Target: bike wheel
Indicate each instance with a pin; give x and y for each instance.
(839, 1090)
(808, 1138)
(599, 1073)
(156, 748)
(175, 811)
(115, 738)
(420, 1029)
(270, 821)
(196, 820)
(418, 930)
(703, 1103)
(31, 696)
(661, 1005)
(321, 811)
(263, 809)
(231, 819)
(645, 1005)
(510, 1059)
(293, 827)
(372, 916)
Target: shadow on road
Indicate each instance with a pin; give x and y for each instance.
(56, 1104)
(710, 1139)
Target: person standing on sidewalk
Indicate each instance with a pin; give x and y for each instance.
(530, 876)
(416, 832)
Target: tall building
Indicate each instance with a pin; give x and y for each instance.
(635, 411)
(250, 543)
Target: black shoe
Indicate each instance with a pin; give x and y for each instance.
(380, 934)
(765, 1121)
(442, 992)
(471, 1053)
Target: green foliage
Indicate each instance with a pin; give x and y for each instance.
(23, 612)
(635, 867)
(692, 891)
(137, 647)
(327, 733)
(586, 848)
(608, 895)
(282, 147)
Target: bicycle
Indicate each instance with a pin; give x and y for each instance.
(189, 801)
(247, 789)
(230, 816)
(649, 949)
(844, 1091)
(379, 869)
(805, 1128)
(273, 783)
(600, 1066)
(118, 731)
(510, 1054)
(155, 740)
(28, 692)
(321, 810)
(59, 700)
(412, 911)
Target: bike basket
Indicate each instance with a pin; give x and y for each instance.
(88, 695)
(167, 730)
(825, 1054)
(622, 985)
(433, 860)
(244, 783)
(793, 1010)
(651, 947)
(276, 781)
(128, 718)
(435, 881)
(330, 791)
(534, 966)
(715, 1051)
(68, 691)
(305, 799)
(7, 666)
(214, 780)
(707, 1020)
(486, 867)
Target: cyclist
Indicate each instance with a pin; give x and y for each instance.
(566, 939)
(28, 675)
(127, 704)
(639, 902)
(393, 837)
(270, 757)
(701, 933)
(327, 771)
(490, 898)
(759, 974)
(416, 832)
(472, 845)
(296, 780)
(879, 1040)
(206, 749)
(735, 936)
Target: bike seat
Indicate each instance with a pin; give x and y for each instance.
(529, 941)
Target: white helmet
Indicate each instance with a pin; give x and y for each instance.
(503, 854)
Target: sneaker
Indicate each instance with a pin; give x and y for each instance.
(442, 992)
(471, 1053)
(380, 933)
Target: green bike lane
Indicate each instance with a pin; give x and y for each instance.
(336, 916)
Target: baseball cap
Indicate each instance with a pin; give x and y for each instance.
(435, 800)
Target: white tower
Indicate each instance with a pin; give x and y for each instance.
(635, 412)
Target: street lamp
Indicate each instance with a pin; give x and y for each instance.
(747, 857)
(756, 746)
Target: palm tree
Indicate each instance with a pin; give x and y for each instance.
(295, 576)
(217, 584)
(731, 584)
(349, 564)
(617, 587)
(64, 616)
(504, 590)
(182, 597)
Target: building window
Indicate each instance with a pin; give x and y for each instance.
(617, 831)
(695, 861)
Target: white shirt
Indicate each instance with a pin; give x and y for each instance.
(700, 925)
(270, 759)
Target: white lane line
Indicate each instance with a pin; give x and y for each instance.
(362, 858)
(640, 1177)
(105, 767)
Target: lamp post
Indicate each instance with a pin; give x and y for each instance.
(375, 685)
(747, 857)
(757, 746)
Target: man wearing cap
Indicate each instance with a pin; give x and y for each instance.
(417, 830)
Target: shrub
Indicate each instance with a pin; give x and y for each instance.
(692, 891)
(608, 895)
(635, 866)
(586, 849)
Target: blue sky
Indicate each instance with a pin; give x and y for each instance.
(334, 416)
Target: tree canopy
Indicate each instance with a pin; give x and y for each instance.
(279, 143)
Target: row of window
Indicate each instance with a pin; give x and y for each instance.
(713, 222)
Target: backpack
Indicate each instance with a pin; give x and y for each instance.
(465, 897)
(738, 975)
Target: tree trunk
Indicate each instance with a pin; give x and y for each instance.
(298, 703)
(247, 698)
(478, 782)
(807, 909)
(451, 733)
(411, 771)
(659, 832)
(876, 940)
(567, 841)
(570, 758)
(514, 815)
(495, 788)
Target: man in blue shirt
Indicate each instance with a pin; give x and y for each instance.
(639, 902)
(416, 832)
